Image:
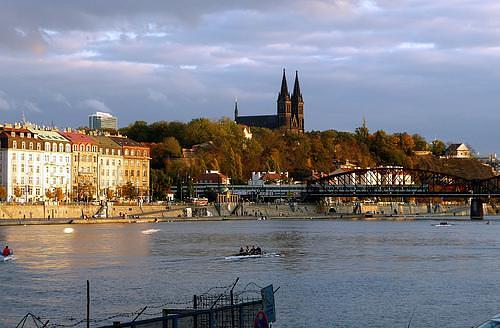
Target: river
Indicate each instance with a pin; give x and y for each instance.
(331, 274)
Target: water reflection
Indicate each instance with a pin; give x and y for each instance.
(333, 273)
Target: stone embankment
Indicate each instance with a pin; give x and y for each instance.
(132, 213)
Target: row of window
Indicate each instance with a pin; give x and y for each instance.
(131, 173)
(30, 180)
(138, 153)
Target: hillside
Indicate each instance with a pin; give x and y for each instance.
(466, 168)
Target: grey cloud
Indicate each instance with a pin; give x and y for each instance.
(417, 62)
(96, 105)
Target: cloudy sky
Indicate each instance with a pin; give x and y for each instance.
(423, 66)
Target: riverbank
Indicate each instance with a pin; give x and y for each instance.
(119, 220)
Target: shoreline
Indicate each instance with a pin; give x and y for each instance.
(346, 217)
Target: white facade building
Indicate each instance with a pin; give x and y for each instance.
(55, 162)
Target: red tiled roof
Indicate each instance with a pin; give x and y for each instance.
(78, 138)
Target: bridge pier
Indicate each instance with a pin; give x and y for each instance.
(476, 209)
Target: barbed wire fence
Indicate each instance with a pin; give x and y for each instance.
(216, 296)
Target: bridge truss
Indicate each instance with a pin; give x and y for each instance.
(400, 182)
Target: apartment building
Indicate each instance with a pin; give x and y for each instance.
(84, 151)
(110, 167)
(136, 160)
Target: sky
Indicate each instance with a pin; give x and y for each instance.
(422, 66)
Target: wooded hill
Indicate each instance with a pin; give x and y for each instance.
(221, 145)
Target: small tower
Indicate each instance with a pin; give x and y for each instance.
(236, 109)
(284, 105)
(297, 106)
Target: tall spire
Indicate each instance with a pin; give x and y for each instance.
(235, 109)
(296, 86)
(284, 87)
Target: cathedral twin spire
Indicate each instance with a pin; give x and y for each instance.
(290, 110)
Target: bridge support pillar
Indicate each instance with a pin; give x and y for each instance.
(476, 209)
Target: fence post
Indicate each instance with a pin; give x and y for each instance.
(232, 309)
(88, 304)
(240, 310)
(195, 306)
(164, 313)
(211, 319)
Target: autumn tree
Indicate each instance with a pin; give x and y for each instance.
(129, 191)
(58, 194)
(110, 194)
(49, 194)
(18, 191)
(3, 192)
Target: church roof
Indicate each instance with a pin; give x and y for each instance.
(261, 121)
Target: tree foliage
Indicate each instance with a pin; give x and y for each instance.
(221, 145)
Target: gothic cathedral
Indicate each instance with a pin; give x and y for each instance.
(290, 111)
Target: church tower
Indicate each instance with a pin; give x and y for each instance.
(284, 117)
(236, 110)
(297, 119)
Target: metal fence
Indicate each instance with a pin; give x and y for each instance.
(228, 316)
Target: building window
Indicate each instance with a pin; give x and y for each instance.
(132, 152)
(14, 144)
(54, 147)
(21, 134)
(31, 146)
(13, 134)
(126, 152)
(61, 148)
(38, 146)
(47, 146)
(23, 145)
(68, 148)
(119, 152)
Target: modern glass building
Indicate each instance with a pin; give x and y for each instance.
(100, 120)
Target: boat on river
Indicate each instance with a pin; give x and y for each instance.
(7, 258)
(443, 224)
(250, 256)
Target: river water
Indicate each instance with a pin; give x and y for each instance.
(331, 274)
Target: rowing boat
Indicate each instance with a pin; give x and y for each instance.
(7, 258)
(250, 256)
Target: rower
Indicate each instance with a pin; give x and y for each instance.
(258, 250)
(253, 251)
(242, 251)
(6, 251)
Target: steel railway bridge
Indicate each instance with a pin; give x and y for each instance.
(392, 182)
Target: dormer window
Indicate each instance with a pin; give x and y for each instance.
(21, 134)
(13, 134)
(29, 135)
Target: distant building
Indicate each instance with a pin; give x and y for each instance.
(265, 178)
(84, 165)
(290, 111)
(458, 151)
(212, 177)
(136, 159)
(100, 121)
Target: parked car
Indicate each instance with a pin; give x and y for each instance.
(491, 323)
(99, 216)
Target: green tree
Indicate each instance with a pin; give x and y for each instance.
(438, 148)
(420, 142)
(129, 191)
